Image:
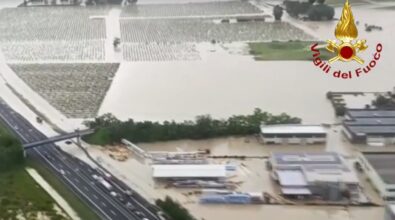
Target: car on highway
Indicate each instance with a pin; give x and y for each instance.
(140, 214)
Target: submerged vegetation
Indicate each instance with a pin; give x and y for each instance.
(291, 50)
(110, 130)
(174, 210)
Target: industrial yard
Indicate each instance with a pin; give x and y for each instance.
(251, 177)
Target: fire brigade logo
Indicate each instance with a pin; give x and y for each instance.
(346, 32)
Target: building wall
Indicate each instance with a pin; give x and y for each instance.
(373, 176)
(293, 140)
(389, 215)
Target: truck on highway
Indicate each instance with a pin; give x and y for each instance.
(104, 183)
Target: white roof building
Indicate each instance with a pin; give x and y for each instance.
(293, 134)
(189, 171)
(292, 129)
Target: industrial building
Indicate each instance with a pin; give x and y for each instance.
(189, 172)
(380, 169)
(370, 126)
(293, 134)
(314, 175)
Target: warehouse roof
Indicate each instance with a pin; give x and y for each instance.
(370, 113)
(292, 129)
(306, 158)
(364, 129)
(371, 121)
(189, 171)
(291, 178)
(300, 169)
(295, 191)
(384, 164)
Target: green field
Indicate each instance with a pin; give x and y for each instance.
(20, 194)
(295, 50)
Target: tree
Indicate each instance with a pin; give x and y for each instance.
(321, 12)
(110, 130)
(277, 12)
(11, 151)
(174, 210)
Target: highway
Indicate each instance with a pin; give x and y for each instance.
(118, 202)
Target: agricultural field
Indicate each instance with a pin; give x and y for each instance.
(21, 196)
(195, 9)
(76, 90)
(296, 50)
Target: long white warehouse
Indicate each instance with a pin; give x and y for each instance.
(201, 171)
(293, 134)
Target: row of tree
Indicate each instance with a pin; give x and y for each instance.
(385, 101)
(174, 210)
(11, 151)
(110, 130)
(315, 12)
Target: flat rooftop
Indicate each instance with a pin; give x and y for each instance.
(325, 158)
(371, 121)
(384, 164)
(189, 171)
(292, 129)
(370, 113)
(365, 129)
(297, 169)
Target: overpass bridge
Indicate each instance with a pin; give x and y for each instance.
(58, 138)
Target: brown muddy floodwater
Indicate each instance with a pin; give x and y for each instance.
(223, 84)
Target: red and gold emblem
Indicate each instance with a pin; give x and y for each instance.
(346, 32)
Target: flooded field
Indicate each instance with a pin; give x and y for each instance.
(223, 84)
(227, 81)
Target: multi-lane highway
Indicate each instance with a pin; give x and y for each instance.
(116, 202)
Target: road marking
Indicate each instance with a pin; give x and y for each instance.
(104, 204)
(94, 195)
(113, 213)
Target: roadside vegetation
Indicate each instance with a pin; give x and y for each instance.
(174, 210)
(110, 130)
(20, 196)
(291, 50)
(11, 152)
